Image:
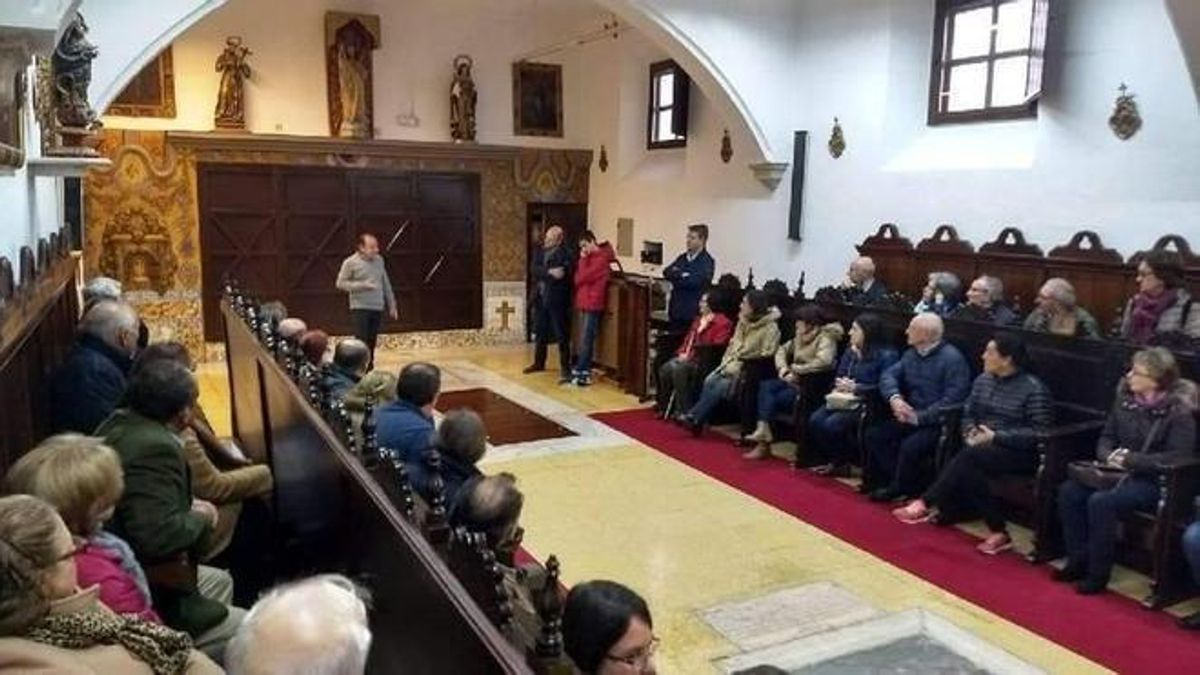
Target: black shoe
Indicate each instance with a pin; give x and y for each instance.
(1091, 586)
(1069, 573)
(1190, 622)
(884, 494)
(565, 378)
(690, 424)
(533, 369)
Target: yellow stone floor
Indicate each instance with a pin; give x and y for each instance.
(684, 541)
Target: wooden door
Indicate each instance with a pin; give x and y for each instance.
(317, 235)
(386, 206)
(451, 264)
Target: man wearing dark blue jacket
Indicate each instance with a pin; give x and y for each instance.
(690, 275)
(931, 377)
(405, 426)
(89, 385)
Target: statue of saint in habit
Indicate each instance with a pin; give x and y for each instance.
(462, 101)
(231, 103)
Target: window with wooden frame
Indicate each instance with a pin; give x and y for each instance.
(988, 57)
(667, 121)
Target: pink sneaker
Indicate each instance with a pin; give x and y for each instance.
(995, 544)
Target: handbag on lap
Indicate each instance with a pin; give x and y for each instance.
(1101, 476)
(840, 400)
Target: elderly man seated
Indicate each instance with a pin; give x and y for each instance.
(861, 277)
(405, 426)
(350, 360)
(1057, 312)
(985, 303)
(91, 381)
(315, 626)
(292, 328)
(931, 377)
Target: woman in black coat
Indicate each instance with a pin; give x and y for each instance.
(1152, 424)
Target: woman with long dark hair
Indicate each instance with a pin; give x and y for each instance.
(607, 630)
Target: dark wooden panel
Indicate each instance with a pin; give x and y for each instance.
(943, 252)
(894, 261)
(506, 422)
(1020, 265)
(1102, 280)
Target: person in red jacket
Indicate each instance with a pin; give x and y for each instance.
(591, 286)
(679, 375)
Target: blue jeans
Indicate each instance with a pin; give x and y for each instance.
(716, 387)
(774, 396)
(1191, 549)
(831, 433)
(591, 328)
(1089, 520)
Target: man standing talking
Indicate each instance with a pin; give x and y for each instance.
(553, 275)
(690, 275)
(364, 277)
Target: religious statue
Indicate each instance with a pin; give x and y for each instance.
(72, 64)
(230, 112)
(349, 39)
(462, 101)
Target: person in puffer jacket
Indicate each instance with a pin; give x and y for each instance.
(813, 350)
(756, 336)
(591, 286)
(1152, 424)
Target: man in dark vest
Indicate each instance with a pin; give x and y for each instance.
(553, 277)
(690, 275)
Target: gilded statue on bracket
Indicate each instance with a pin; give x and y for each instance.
(230, 112)
(349, 40)
(462, 100)
(837, 140)
(1125, 120)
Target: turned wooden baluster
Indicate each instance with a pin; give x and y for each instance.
(323, 389)
(345, 425)
(549, 603)
(369, 452)
(495, 574)
(408, 503)
(435, 517)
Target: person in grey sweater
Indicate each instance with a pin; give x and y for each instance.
(364, 277)
(1006, 410)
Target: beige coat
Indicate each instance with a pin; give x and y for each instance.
(755, 339)
(19, 656)
(810, 353)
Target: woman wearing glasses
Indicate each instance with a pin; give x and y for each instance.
(607, 630)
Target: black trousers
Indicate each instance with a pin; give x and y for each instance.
(963, 484)
(679, 377)
(366, 327)
(553, 318)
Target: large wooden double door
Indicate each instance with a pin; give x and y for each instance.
(283, 231)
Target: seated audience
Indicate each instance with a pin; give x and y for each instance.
(89, 384)
(1006, 410)
(607, 630)
(313, 344)
(50, 625)
(461, 439)
(985, 303)
(812, 350)
(166, 527)
(107, 288)
(380, 387)
(350, 359)
(1162, 304)
(1152, 423)
(861, 277)
(831, 426)
(941, 295)
(292, 328)
(755, 337)
(81, 478)
(405, 426)
(1057, 313)
(272, 313)
(315, 626)
(931, 377)
(677, 377)
(1191, 551)
(219, 472)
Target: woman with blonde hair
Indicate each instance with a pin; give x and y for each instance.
(81, 478)
(49, 624)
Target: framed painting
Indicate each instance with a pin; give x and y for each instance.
(12, 102)
(537, 99)
(151, 93)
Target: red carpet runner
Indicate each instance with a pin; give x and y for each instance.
(1111, 630)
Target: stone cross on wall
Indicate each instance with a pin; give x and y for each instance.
(505, 310)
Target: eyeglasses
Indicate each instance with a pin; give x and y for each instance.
(77, 546)
(640, 658)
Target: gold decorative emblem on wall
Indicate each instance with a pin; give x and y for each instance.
(603, 163)
(837, 141)
(136, 250)
(1125, 120)
(726, 147)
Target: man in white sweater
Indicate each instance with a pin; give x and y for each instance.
(364, 277)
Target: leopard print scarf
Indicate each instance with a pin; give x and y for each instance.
(166, 651)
